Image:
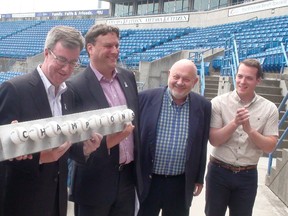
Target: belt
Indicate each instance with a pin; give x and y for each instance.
(230, 167)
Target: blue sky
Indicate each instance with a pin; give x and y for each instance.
(26, 6)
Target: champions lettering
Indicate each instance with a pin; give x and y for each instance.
(52, 129)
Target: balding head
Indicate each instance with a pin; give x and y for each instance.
(185, 63)
(181, 80)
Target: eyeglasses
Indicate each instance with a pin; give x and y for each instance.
(63, 61)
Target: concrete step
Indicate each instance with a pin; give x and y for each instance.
(212, 82)
(211, 90)
(211, 86)
(281, 131)
(283, 111)
(274, 98)
(212, 78)
(284, 143)
(276, 154)
(281, 161)
(278, 176)
(285, 123)
(268, 90)
(209, 96)
(268, 82)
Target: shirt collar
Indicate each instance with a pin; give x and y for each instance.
(100, 76)
(49, 87)
(238, 99)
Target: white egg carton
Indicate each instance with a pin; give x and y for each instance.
(34, 136)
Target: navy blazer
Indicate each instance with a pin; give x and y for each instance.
(96, 182)
(31, 188)
(150, 102)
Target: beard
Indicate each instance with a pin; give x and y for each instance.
(178, 95)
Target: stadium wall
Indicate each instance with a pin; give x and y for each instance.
(259, 9)
(154, 74)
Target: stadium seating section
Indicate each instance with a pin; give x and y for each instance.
(8, 75)
(260, 38)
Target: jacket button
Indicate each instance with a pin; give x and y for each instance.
(150, 176)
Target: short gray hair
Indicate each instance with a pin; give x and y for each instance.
(68, 36)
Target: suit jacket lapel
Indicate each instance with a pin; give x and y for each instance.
(125, 86)
(154, 113)
(39, 95)
(67, 102)
(193, 124)
(96, 90)
(156, 105)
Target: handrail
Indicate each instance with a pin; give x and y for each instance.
(236, 51)
(235, 61)
(202, 76)
(231, 58)
(196, 57)
(281, 106)
(234, 69)
(284, 53)
(280, 141)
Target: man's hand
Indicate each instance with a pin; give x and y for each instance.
(22, 157)
(114, 139)
(198, 188)
(52, 155)
(242, 116)
(92, 144)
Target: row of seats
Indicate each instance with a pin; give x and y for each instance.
(253, 36)
(29, 40)
(8, 75)
(215, 36)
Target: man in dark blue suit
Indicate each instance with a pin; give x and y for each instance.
(174, 129)
(105, 186)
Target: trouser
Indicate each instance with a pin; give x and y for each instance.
(166, 193)
(124, 204)
(225, 188)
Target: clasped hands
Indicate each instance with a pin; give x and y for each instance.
(242, 118)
